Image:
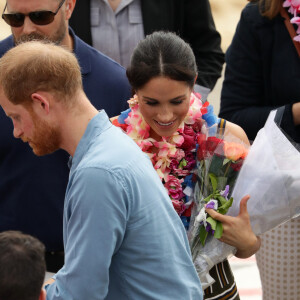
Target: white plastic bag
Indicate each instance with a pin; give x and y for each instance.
(271, 176)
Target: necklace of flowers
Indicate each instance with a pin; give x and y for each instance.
(294, 9)
(172, 157)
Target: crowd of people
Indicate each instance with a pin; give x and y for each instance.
(93, 208)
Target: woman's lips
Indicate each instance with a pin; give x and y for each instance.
(163, 124)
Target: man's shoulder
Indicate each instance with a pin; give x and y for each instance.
(6, 44)
(113, 151)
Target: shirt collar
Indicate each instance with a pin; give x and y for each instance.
(96, 126)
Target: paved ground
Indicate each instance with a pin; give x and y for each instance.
(226, 15)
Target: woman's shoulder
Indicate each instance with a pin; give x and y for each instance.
(237, 131)
(251, 13)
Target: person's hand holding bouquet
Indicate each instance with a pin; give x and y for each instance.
(237, 231)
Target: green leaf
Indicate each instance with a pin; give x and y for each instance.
(221, 199)
(221, 182)
(214, 181)
(226, 161)
(224, 208)
(212, 222)
(216, 165)
(208, 198)
(182, 164)
(219, 230)
(202, 235)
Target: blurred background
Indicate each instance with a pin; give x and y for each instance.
(226, 15)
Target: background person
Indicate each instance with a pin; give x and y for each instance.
(35, 204)
(115, 27)
(262, 74)
(122, 236)
(162, 72)
(22, 267)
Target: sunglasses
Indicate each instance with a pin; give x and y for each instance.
(42, 17)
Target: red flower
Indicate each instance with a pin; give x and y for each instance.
(201, 152)
(237, 165)
(188, 211)
(212, 143)
(117, 124)
(189, 136)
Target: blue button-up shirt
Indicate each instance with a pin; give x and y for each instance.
(122, 237)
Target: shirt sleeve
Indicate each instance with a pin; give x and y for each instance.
(95, 220)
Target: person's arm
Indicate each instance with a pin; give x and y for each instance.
(205, 40)
(242, 96)
(95, 218)
(296, 113)
(237, 131)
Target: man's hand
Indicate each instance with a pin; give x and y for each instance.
(237, 231)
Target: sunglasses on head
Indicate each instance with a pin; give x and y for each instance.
(42, 17)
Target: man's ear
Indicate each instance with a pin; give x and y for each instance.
(42, 294)
(40, 102)
(70, 5)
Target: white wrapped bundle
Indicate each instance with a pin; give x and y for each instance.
(271, 176)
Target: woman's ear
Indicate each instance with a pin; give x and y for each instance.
(195, 78)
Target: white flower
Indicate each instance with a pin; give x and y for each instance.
(201, 217)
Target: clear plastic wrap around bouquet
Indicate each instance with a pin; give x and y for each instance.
(218, 164)
(271, 176)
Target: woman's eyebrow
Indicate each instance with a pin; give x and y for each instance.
(153, 99)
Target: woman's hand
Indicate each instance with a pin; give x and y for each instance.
(237, 231)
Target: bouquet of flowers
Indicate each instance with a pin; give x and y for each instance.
(218, 164)
(270, 174)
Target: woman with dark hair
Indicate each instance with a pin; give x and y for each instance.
(162, 73)
(263, 73)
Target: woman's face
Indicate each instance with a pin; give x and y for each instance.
(164, 103)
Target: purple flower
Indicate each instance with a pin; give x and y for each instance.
(225, 192)
(213, 204)
(209, 229)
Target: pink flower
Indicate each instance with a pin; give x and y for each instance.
(180, 154)
(194, 112)
(179, 206)
(197, 126)
(293, 6)
(174, 164)
(174, 188)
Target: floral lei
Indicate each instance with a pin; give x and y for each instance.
(294, 9)
(175, 156)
